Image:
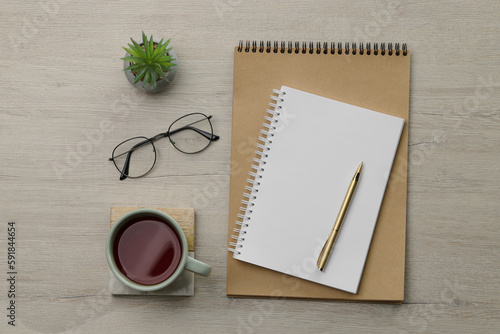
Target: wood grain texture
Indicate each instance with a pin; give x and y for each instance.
(185, 217)
(65, 104)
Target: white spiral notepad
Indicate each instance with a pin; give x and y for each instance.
(310, 147)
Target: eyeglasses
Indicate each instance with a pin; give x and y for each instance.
(136, 157)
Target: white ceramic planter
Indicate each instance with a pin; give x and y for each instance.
(161, 84)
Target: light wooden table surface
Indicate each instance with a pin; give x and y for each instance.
(61, 80)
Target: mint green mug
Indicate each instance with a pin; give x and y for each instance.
(147, 250)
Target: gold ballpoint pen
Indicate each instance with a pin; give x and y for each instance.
(327, 248)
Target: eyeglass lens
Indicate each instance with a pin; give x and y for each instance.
(191, 133)
(141, 154)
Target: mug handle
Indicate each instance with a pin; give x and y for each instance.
(198, 267)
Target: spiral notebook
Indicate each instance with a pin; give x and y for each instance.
(309, 148)
(374, 78)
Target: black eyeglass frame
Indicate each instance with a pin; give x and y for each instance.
(124, 171)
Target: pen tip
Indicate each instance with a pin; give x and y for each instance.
(360, 167)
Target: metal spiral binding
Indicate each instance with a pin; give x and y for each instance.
(264, 145)
(347, 48)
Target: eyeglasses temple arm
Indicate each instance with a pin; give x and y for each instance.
(126, 166)
(201, 132)
(152, 139)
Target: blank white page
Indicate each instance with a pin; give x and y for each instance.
(317, 146)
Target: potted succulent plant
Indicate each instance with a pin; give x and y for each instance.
(151, 65)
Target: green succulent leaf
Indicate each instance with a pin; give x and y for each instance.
(139, 49)
(140, 75)
(134, 59)
(132, 52)
(167, 64)
(164, 59)
(158, 50)
(151, 46)
(134, 67)
(145, 44)
(159, 71)
(146, 78)
(152, 79)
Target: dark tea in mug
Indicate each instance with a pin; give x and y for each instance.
(147, 250)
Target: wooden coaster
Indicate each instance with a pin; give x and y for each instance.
(184, 285)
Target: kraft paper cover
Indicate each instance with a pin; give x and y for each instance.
(376, 82)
